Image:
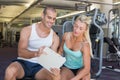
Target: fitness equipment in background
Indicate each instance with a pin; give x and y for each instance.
(113, 51)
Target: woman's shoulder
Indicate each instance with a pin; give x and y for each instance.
(85, 43)
(67, 35)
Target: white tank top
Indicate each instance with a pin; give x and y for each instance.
(35, 42)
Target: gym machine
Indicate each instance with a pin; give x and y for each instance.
(113, 51)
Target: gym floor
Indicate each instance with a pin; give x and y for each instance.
(9, 53)
(110, 71)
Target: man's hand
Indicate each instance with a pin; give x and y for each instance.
(56, 73)
(40, 51)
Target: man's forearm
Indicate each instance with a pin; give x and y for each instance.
(27, 54)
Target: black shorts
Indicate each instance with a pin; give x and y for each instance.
(73, 70)
(30, 68)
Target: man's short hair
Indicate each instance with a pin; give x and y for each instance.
(48, 8)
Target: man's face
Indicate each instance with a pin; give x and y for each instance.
(49, 18)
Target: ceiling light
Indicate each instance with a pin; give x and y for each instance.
(70, 14)
(28, 4)
(116, 3)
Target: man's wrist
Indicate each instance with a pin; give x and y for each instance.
(36, 54)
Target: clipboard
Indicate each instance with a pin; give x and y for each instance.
(50, 59)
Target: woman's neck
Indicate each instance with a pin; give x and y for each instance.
(79, 38)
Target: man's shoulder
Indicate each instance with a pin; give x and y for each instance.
(55, 34)
(26, 29)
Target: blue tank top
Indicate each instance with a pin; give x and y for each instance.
(74, 59)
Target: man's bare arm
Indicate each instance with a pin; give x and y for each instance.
(56, 42)
(23, 44)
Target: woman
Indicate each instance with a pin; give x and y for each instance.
(76, 46)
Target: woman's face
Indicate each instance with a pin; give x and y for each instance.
(79, 28)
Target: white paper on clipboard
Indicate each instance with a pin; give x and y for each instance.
(51, 59)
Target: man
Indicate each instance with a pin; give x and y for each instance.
(32, 41)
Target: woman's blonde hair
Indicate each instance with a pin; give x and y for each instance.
(87, 21)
